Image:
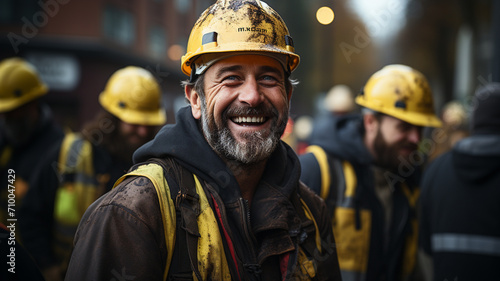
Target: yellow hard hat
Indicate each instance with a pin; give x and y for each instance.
(401, 92)
(19, 84)
(133, 95)
(238, 26)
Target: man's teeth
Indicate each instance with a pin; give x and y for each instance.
(248, 119)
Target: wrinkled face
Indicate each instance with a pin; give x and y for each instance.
(395, 139)
(245, 107)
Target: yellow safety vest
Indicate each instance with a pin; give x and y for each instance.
(212, 262)
(78, 189)
(353, 242)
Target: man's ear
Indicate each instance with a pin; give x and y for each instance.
(194, 100)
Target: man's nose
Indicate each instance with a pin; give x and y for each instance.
(250, 93)
(415, 134)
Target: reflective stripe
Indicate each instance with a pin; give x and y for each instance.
(350, 179)
(324, 168)
(464, 243)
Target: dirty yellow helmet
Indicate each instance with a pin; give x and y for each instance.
(401, 92)
(229, 26)
(19, 84)
(133, 95)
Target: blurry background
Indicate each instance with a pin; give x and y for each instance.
(78, 44)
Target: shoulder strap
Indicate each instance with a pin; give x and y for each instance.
(182, 194)
(331, 176)
(320, 155)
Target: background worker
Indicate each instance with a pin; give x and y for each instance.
(364, 167)
(460, 202)
(85, 165)
(455, 127)
(27, 127)
(339, 100)
(240, 211)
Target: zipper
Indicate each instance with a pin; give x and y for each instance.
(248, 236)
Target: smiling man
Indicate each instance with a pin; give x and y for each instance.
(217, 195)
(366, 167)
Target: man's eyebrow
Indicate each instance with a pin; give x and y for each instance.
(268, 68)
(230, 68)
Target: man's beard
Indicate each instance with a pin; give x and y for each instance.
(388, 156)
(118, 144)
(256, 145)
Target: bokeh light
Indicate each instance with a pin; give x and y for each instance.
(325, 15)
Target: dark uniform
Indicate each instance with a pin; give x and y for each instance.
(460, 224)
(371, 246)
(23, 158)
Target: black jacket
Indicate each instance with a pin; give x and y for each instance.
(460, 224)
(130, 214)
(25, 157)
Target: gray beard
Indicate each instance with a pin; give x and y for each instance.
(256, 147)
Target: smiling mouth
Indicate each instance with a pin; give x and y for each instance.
(248, 120)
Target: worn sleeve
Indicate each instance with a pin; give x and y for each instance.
(121, 236)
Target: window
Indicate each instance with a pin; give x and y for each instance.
(183, 5)
(119, 25)
(12, 11)
(157, 42)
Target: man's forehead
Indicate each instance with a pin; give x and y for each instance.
(261, 61)
(397, 121)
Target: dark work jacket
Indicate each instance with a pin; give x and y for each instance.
(341, 137)
(25, 157)
(460, 224)
(122, 232)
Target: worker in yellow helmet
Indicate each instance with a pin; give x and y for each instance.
(84, 166)
(366, 167)
(27, 128)
(217, 195)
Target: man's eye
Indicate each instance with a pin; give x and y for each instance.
(269, 78)
(230, 78)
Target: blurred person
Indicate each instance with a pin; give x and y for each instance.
(339, 100)
(289, 135)
(217, 195)
(27, 128)
(455, 121)
(364, 166)
(85, 165)
(460, 202)
(303, 129)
